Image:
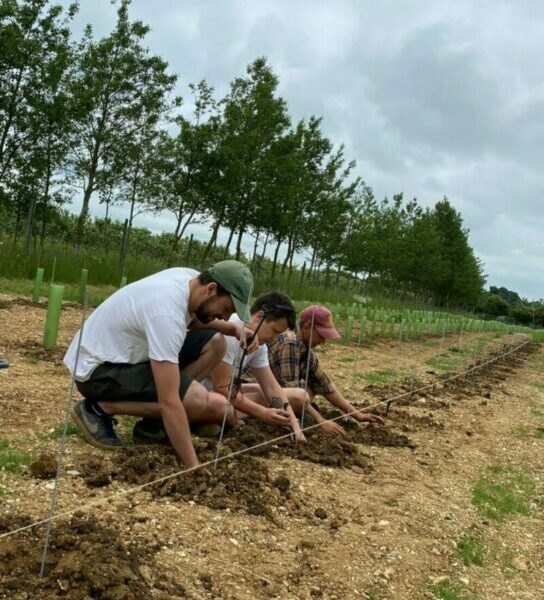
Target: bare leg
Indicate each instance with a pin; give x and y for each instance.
(200, 405)
(211, 355)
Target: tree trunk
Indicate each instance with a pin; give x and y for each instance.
(239, 242)
(188, 254)
(265, 245)
(122, 250)
(231, 235)
(29, 227)
(254, 256)
(212, 241)
(275, 261)
(17, 221)
(312, 263)
(106, 237)
(289, 250)
(302, 273)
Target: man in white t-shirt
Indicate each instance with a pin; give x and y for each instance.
(136, 357)
(266, 399)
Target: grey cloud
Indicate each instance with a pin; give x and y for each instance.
(431, 99)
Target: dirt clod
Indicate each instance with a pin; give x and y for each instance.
(320, 513)
(44, 467)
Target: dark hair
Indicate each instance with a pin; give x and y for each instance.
(276, 306)
(205, 278)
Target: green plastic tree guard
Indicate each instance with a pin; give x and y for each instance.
(37, 284)
(52, 317)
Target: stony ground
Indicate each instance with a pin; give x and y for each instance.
(445, 502)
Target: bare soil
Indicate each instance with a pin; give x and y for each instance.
(377, 515)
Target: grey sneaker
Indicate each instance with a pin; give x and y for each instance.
(96, 429)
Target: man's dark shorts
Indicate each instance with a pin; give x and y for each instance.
(116, 382)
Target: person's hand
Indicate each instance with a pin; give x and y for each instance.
(367, 418)
(236, 397)
(276, 416)
(297, 437)
(332, 428)
(248, 340)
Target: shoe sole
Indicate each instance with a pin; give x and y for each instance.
(86, 434)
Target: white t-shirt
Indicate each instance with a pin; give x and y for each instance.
(233, 353)
(147, 319)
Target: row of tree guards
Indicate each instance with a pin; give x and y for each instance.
(374, 322)
(369, 322)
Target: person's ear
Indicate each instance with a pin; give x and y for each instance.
(211, 289)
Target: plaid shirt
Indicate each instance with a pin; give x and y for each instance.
(288, 357)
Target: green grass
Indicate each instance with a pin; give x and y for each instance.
(446, 590)
(346, 359)
(538, 385)
(56, 434)
(384, 376)
(12, 460)
(443, 362)
(536, 411)
(502, 491)
(470, 551)
(523, 431)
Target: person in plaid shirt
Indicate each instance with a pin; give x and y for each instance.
(288, 357)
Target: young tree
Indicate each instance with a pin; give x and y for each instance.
(116, 77)
(35, 56)
(254, 118)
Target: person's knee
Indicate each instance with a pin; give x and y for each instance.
(298, 398)
(195, 393)
(216, 346)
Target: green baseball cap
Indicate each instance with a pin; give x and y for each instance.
(237, 279)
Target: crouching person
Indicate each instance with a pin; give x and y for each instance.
(138, 358)
(271, 314)
(293, 361)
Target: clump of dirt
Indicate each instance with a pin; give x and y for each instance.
(85, 560)
(44, 467)
(241, 484)
(95, 472)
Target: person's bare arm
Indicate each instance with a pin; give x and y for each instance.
(231, 329)
(336, 399)
(221, 378)
(167, 381)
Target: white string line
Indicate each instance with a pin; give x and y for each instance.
(138, 488)
(62, 445)
(235, 368)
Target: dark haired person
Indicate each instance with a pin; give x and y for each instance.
(265, 399)
(288, 356)
(136, 357)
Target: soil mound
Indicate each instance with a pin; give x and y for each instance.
(85, 560)
(318, 448)
(243, 484)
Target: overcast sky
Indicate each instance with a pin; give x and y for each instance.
(430, 98)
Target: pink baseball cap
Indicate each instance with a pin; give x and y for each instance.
(322, 319)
